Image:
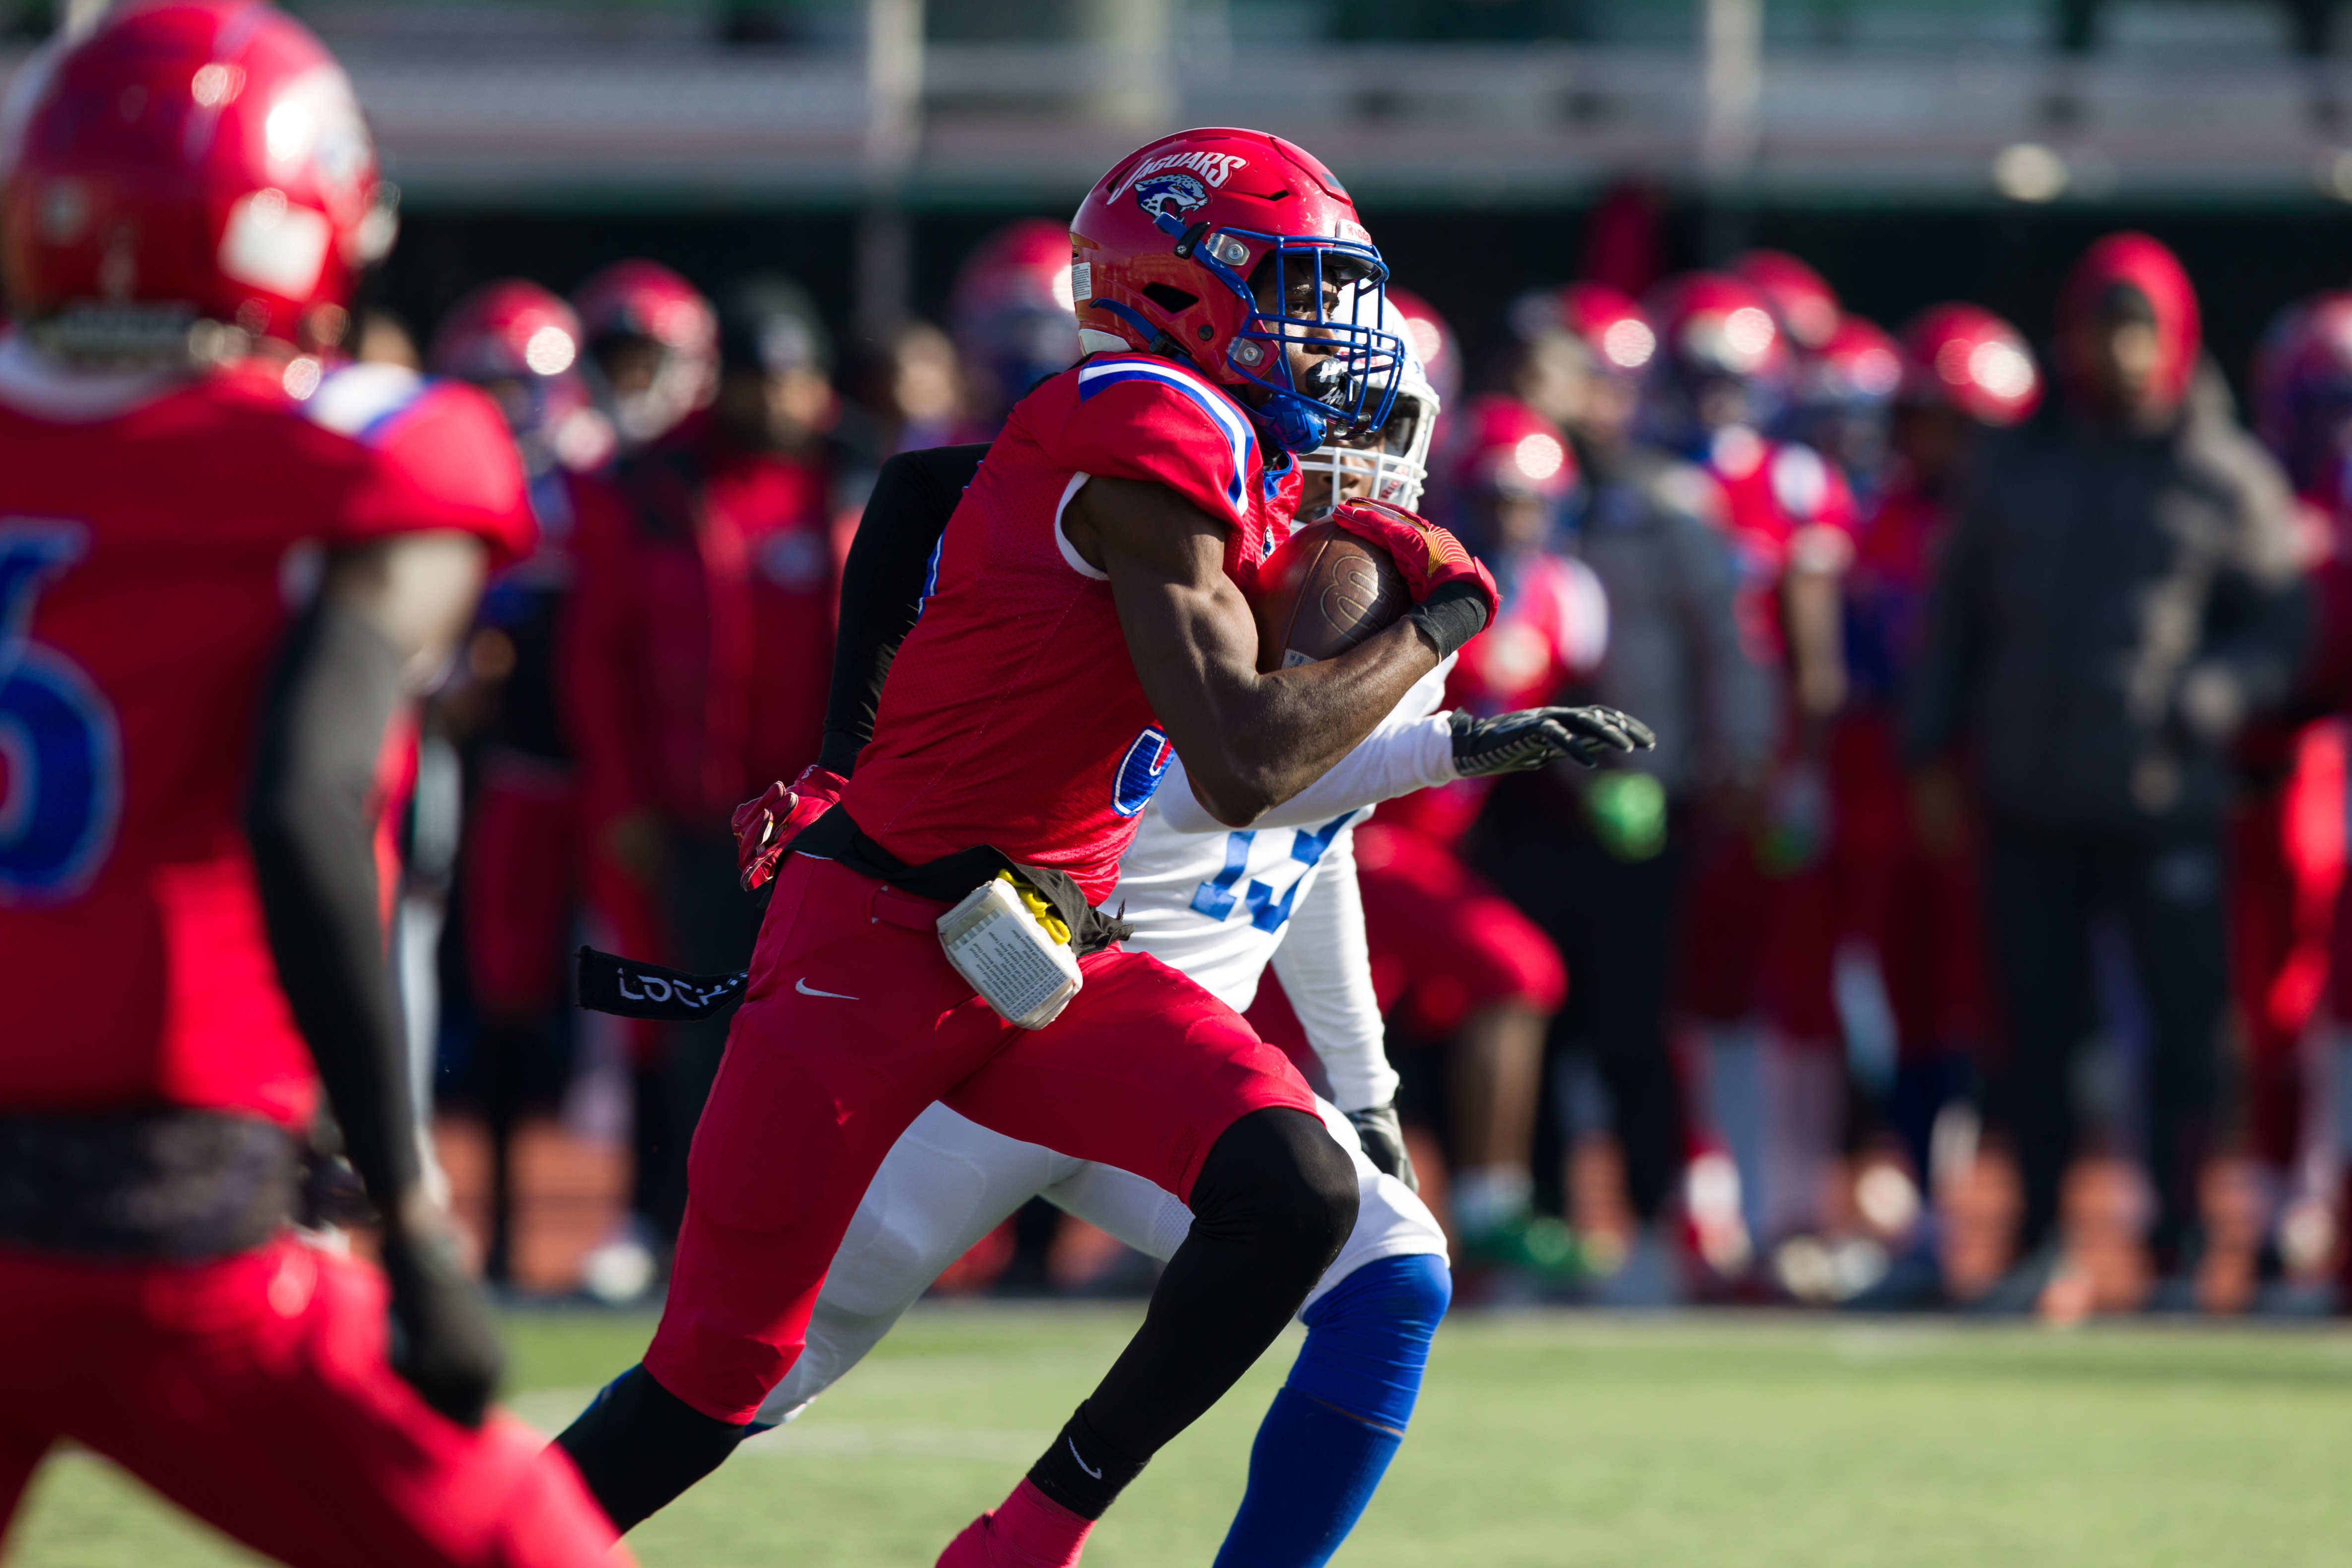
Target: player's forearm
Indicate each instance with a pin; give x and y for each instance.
(308, 821)
(1270, 737)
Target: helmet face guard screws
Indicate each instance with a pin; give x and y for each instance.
(1239, 253)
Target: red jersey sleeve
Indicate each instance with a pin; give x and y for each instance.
(441, 458)
(1137, 416)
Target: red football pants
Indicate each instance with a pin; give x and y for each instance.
(254, 1393)
(854, 1021)
(521, 848)
(2286, 868)
(1443, 944)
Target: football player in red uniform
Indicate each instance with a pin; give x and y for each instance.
(1453, 960)
(1720, 379)
(2286, 828)
(1086, 618)
(1013, 317)
(1907, 881)
(221, 564)
(519, 877)
(696, 660)
(653, 347)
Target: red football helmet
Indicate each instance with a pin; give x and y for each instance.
(1966, 358)
(522, 342)
(645, 302)
(1721, 359)
(1509, 449)
(1805, 305)
(1619, 336)
(1165, 248)
(190, 176)
(2303, 385)
(1011, 311)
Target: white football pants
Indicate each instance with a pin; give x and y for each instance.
(949, 1181)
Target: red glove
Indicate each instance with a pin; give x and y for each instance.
(1454, 594)
(765, 828)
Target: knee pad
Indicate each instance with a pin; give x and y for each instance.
(1278, 1179)
(1368, 1338)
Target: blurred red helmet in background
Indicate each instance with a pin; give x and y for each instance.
(1013, 315)
(1859, 362)
(191, 175)
(1506, 448)
(1432, 341)
(1164, 248)
(1965, 357)
(1612, 326)
(1715, 324)
(1803, 304)
(645, 302)
(509, 328)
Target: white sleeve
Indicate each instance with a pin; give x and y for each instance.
(1325, 967)
(1410, 749)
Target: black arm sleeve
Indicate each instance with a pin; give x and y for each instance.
(322, 727)
(882, 586)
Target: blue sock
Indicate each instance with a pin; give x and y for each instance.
(1339, 1419)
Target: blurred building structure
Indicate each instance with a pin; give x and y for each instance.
(661, 104)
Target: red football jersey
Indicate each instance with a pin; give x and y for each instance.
(1783, 506)
(1012, 715)
(153, 544)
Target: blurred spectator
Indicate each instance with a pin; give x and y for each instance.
(1845, 398)
(1597, 859)
(517, 874)
(652, 347)
(699, 656)
(1964, 372)
(2118, 597)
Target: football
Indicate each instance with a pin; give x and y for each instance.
(1322, 591)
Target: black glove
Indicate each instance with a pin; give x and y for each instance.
(1515, 742)
(442, 1342)
(1383, 1141)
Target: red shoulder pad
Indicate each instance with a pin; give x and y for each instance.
(443, 458)
(1137, 416)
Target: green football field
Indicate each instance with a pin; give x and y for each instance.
(1541, 1440)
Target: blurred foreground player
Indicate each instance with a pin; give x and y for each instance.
(220, 571)
(1086, 616)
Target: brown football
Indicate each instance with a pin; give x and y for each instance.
(1322, 591)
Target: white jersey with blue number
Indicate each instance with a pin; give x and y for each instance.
(1219, 904)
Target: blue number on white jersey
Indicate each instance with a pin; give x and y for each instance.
(61, 747)
(1216, 898)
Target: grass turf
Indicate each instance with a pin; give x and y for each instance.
(1541, 1440)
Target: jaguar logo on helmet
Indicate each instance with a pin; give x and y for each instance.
(1171, 195)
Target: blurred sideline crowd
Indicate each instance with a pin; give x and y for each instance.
(1998, 697)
